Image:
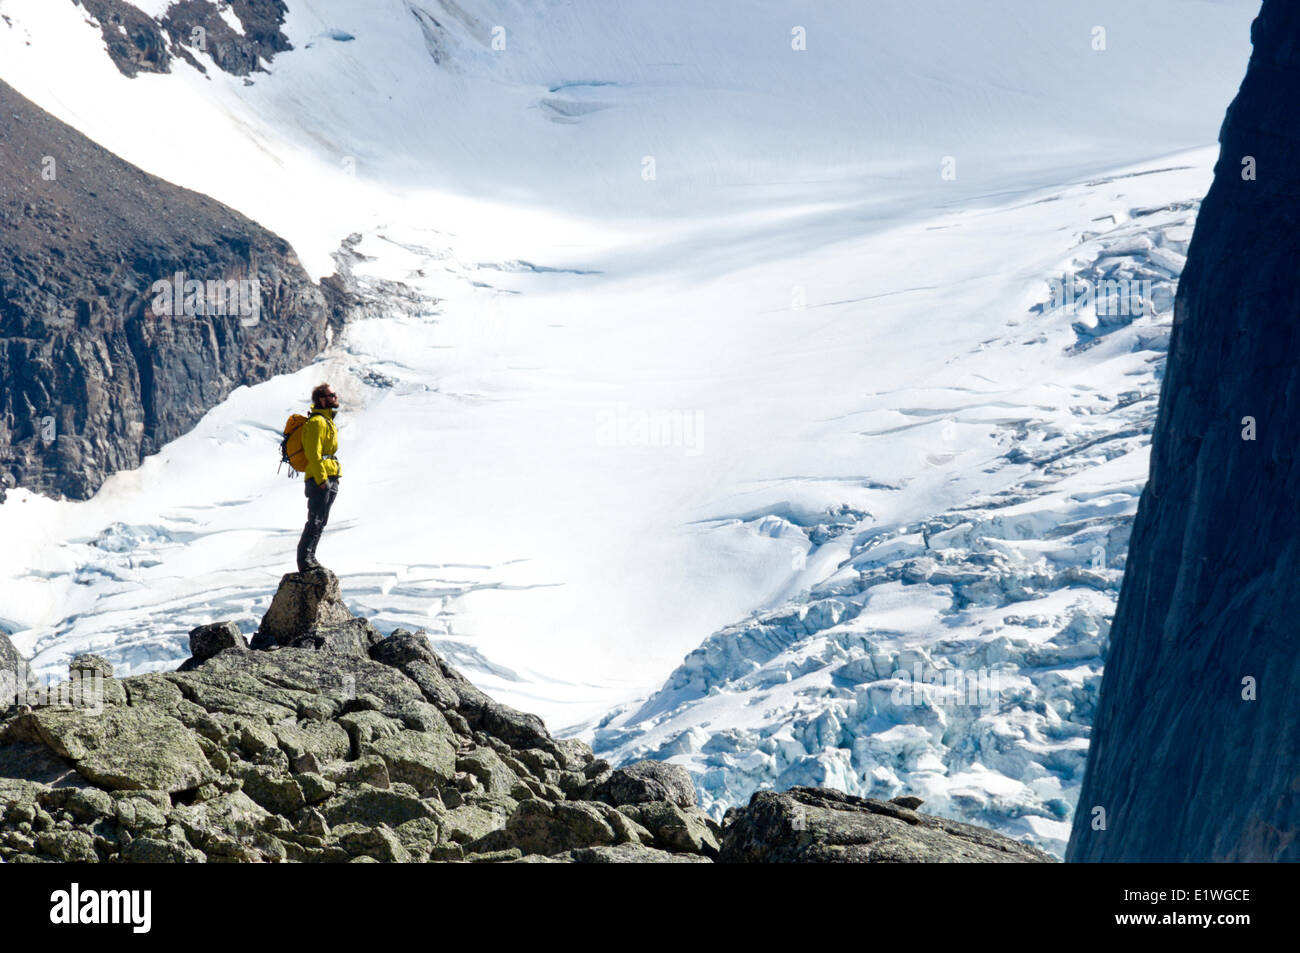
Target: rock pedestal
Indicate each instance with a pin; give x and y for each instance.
(304, 602)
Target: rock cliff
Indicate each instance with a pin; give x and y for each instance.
(94, 377)
(1192, 752)
(324, 741)
(139, 43)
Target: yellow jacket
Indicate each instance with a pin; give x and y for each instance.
(320, 441)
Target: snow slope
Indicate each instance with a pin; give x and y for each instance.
(597, 415)
(417, 111)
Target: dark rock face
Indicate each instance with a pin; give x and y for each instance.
(1193, 747)
(138, 43)
(813, 825)
(94, 378)
(132, 38)
(352, 752)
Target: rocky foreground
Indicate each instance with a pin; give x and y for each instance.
(324, 741)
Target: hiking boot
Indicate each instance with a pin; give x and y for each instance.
(307, 550)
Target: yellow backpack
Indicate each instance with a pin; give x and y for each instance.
(291, 451)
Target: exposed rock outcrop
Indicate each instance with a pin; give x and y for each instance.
(190, 30)
(95, 377)
(1192, 751)
(209, 640)
(12, 664)
(649, 781)
(321, 747)
(308, 608)
(814, 825)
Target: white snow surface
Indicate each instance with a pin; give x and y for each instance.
(681, 344)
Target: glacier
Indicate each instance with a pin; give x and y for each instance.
(957, 657)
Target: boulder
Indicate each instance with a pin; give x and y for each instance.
(419, 836)
(494, 775)
(378, 842)
(370, 805)
(403, 647)
(36, 762)
(367, 769)
(354, 637)
(315, 788)
(816, 825)
(649, 781)
(281, 684)
(621, 854)
(154, 850)
(121, 748)
(448, 689)
(540, 827)
(675, 828)
(235, 815)
(421, 759)
(15, 676)
(574, 755)
(367, 725)
(304, 601)
(467, 823)
(436, 687)
(86, 804)
(311, 744)
(209, 640)
(141, 813)
(87, 664)
(68, 846)
(10, 659)
(271, 788)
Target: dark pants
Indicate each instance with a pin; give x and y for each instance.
(319, 501)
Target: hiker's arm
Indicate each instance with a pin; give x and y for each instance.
(313, 433)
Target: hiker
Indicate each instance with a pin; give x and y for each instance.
(320, 443)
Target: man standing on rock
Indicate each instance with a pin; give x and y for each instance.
(320, 443)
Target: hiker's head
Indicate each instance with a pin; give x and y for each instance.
(323, 396)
